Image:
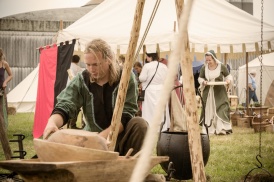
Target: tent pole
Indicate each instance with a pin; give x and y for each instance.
(144, 54)
(194, 138)
(158, 51)
(127, 69)
(247, 89)
(225, 58)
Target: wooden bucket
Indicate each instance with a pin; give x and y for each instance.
(271, 110)
(269, 128)
(260, 126)
(234, 117)
(257, 119)
(243, 122)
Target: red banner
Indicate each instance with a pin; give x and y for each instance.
(45, 90)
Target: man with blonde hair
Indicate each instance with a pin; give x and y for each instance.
(95, 90)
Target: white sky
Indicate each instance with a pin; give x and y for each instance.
(12, 7)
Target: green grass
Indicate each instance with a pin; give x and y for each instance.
(231, 156)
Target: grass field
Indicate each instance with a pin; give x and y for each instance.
(231, 156)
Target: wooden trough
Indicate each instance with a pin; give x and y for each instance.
(76, 160)
(58, 152)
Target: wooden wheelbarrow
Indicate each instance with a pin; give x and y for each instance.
(68, 155)
(119, 169)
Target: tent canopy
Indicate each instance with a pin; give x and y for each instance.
(212, 24)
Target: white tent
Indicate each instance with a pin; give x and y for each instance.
(214, 23)
(23, 96)
(267, 76)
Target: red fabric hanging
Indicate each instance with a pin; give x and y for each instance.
(45, 90)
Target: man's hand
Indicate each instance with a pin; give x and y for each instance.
(54, 123)
(48, 131)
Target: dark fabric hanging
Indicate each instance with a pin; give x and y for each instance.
(65, 53)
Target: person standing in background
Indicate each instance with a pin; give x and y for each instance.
(152, 77)
(252, 86)
(122, 60)
(75, 69)
(4, 67)
(137, 69)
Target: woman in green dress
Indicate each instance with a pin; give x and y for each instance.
(214, 78)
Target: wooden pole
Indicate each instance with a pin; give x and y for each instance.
(122, 90)
(144, 54)
(194, 137)
(158, 51)
(225, 58)
(61, 25)
(142, 165)
(4, 139)
(247, 88)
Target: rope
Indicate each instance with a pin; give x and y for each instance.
(147, 28)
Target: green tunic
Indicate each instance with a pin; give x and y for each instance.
(77, 94)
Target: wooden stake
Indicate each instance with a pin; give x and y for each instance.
(4, 139)
(247, 88)
(194, 138)
(141, 167)
(122, 90)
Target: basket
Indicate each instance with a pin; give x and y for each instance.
(260, 127)
(257, 119)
